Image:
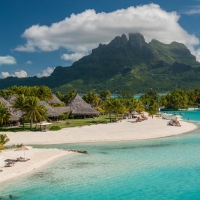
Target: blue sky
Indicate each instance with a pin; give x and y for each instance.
(38, 35)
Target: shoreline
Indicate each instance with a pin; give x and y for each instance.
(36, 161)
(113, 132)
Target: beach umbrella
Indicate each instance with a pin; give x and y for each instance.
(23, 148)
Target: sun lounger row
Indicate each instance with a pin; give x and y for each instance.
(11, 163)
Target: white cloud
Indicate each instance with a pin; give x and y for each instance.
(84, 31)
(29, 62)
(19, 74)
(193, 11)
(197, 54)
(46, 72)
(4, 74)
(7, 60)
(73, 57)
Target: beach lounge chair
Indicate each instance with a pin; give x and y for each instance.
(170, 123)
(20, 159)
(177, 123)
(9, 164)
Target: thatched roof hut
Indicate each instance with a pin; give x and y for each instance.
(79, 107)
(11, 99)
(62, 110)
(50, 111)
(15, 115)
(5, 103)
(55, 100)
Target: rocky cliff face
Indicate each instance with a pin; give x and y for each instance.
(135, 43)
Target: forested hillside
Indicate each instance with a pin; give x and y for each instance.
(124, 64)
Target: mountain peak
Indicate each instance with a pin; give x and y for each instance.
(136, 40)
(126, 63)
(119, 41)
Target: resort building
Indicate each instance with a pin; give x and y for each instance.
(51, 112)
(55, 100)
(15, 115)
(80, 109)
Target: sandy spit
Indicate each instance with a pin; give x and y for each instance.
(38, 158)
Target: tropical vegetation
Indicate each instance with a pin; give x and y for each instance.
(4, 114)
(112, 108)
(3, 140)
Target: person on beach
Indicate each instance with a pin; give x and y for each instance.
(152, 116)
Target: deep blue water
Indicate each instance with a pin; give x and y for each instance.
(167, 168)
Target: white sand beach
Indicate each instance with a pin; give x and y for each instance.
(121, 131)
(38, 158)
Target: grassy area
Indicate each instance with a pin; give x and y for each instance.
(63, 124)
(81, 122)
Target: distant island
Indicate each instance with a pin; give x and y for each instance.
(123, 64)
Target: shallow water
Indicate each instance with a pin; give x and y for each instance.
(167, 168)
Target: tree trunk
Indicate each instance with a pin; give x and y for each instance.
(23, 123)
(110, 116)
(31, 123)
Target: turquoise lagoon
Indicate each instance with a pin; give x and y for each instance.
(167, 168)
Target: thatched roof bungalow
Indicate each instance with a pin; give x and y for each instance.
(11, 99)
(51, 112)
(5, 103)
(15, 115)
(55, 100)
(62, 110)
(79, 107)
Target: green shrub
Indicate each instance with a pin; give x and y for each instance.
(104, 121)
(64, 116)
(55, 128)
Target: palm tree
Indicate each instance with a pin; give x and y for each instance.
(130, 104)
(118, 107)
(92, 98)
(44, 93)
(34, 110)
(107, 106)
(69, 96)
(3, 140)
(104, 94)
(20, 104)
(139, 106)
(4, 114)
(114, 106)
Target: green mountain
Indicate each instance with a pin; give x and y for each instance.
(124, 64)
